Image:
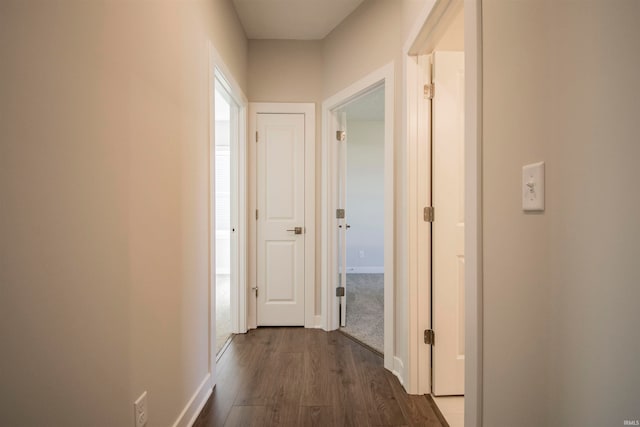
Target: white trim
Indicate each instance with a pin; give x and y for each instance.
(309, 111)
(218, 70)
(366, 269)
(437, 17)
(211, 312)
(473, 214)
(233, 86)
(419, 195)
(473, 204)
(239, 293)
(398, 370)
(384, 75)
(417, 27)
(194, 406)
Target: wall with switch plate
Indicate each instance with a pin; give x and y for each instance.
(104, 177)
(561, 340)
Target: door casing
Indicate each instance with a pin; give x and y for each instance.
(418, 43)
(329, 268)
(218, 70)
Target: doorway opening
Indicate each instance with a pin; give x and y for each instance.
(361, 251)
(226, 201)
(442, 70)
(335, 213)
(443, 152)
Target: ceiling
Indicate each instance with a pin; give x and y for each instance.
(292, 19)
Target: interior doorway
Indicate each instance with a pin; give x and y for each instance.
(440, 170)
(335, 215)
(361, 251)
(439, 26)
(226, 212)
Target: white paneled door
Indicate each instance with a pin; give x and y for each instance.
(448, 226)
(280, 224)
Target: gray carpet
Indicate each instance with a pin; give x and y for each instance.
(365, 309)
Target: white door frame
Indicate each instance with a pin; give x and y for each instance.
(218, 70)
(309, 111)
(421, 42)
(329, 320)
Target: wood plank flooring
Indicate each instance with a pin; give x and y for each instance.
(308, 377)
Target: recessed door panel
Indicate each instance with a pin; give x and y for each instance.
(280, 286)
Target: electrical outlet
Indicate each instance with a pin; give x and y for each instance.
(361, 254)
(140, 411)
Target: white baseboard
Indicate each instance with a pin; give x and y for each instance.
(190, 412)
(398, 370)
(366, 270)
(318, 322)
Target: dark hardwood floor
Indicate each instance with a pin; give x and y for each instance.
(308, 377)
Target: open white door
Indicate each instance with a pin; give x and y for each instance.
(448, 226)
(281, 220)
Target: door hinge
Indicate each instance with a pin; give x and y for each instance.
(255, 289)
(429, 336)
(428, 214)
(428, 91)
(340, 291)
(256, 214)
(256, 136)
(341, 135)
(340, 213)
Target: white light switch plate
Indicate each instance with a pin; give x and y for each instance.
(140, 411)
(533, 187)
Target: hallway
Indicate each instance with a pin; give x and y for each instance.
(308, 377)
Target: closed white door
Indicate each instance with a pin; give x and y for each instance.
(280, 223)
(448, 226)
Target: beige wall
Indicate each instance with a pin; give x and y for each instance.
(104, 181)
(561, 340)
(291, 71)
(226, 32)
(365, 41)
(285, 71)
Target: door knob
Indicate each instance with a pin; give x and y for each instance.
(296, 230)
